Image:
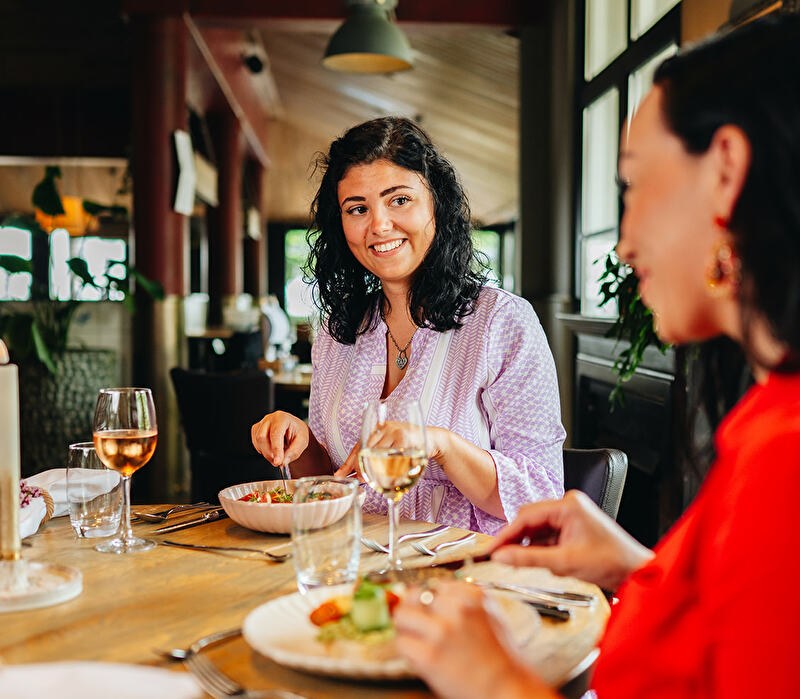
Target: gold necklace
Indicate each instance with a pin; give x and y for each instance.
(402, 357)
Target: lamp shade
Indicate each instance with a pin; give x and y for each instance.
(368, 42)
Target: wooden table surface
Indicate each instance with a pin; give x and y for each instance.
(168, 597)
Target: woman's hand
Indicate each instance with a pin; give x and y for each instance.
(571, 536)
(280, 437)
(387, 435)
(459, 648)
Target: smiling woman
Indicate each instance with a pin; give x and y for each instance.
(407, 315)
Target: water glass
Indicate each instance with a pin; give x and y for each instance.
(94, 493)
(326, 531)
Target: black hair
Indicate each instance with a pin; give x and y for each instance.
(446, 284)
(750, 78)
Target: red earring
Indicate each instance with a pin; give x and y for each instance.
(721, 221)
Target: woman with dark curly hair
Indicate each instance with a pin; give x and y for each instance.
(406, 314)
(711, 224)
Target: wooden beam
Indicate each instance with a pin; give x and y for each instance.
(503, 13)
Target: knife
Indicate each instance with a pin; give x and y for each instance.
(417, 576)
(207, 517)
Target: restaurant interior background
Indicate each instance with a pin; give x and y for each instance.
(139, 102)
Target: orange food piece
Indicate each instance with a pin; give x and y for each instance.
(326, 612)
(392, 600)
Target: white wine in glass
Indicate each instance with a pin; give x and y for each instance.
(125, 436)
(393, 455)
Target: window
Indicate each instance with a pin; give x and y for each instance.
(100, 254)
(15, 241)
(299, 304)
(620, 58)
(497, 245)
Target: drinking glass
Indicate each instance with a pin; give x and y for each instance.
(393, 455)
(125, 435)
(94, 493)
(326, 530)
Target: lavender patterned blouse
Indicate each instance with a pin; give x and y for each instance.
(491, 381)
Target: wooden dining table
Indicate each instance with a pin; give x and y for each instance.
(168, 597)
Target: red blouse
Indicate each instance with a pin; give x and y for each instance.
(717, 611)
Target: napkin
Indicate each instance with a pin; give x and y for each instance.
(54, 481)
(90, 680)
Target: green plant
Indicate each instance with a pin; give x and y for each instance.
(40, 329)
(634, 323)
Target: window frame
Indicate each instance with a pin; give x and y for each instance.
(665, 31)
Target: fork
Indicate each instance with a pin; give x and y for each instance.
(373, 545)
(162, 516)
(219, 685)
(421, 548)
(276, 557)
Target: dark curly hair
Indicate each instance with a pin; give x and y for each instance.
(750, 78)
(447, 282)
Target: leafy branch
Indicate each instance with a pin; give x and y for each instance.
(634, 323)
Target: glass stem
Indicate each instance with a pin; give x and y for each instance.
(125, 525)
(394, 559)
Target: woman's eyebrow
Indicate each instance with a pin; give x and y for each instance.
(382, 194)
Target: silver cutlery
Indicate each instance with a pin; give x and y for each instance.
(576, 599)
(275, 557)
(164, 514)
(381, 548)
(209, 516)
(198, 645)
(421, 548)
(219, 685)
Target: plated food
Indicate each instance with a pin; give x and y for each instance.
(353, 635)
(279, 495)
(275, 516)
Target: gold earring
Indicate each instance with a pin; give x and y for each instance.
(724, 269)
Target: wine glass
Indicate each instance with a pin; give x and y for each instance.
(393, 455)
(125, 435)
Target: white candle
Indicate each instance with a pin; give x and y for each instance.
(9, 459)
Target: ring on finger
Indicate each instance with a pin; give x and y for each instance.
(426, 597)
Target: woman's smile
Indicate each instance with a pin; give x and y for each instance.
(388, 248)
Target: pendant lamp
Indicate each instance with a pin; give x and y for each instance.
(368, 41)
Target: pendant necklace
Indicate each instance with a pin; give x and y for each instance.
(402, 357)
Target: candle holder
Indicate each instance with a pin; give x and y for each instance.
(23, 584)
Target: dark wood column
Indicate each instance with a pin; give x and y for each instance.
(159, 88)
(255, 250)
(225, 229)
(160, 249)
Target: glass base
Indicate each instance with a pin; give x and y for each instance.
(119, 545)
(31, 584)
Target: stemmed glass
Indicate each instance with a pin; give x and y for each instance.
(393, 455)
(125, 435)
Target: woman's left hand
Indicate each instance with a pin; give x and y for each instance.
(459, 648)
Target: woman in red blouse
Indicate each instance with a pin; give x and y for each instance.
(711, 170)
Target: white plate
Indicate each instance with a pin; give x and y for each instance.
(88, 680)
(282, 631)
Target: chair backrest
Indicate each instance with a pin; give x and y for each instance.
(217, 411)
(600, 473)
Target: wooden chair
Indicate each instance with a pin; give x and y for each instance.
(217, 411)
(600, 473)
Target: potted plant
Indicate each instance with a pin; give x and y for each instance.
(58, 384)
(634, 324)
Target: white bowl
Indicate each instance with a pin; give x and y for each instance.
(276, 518)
